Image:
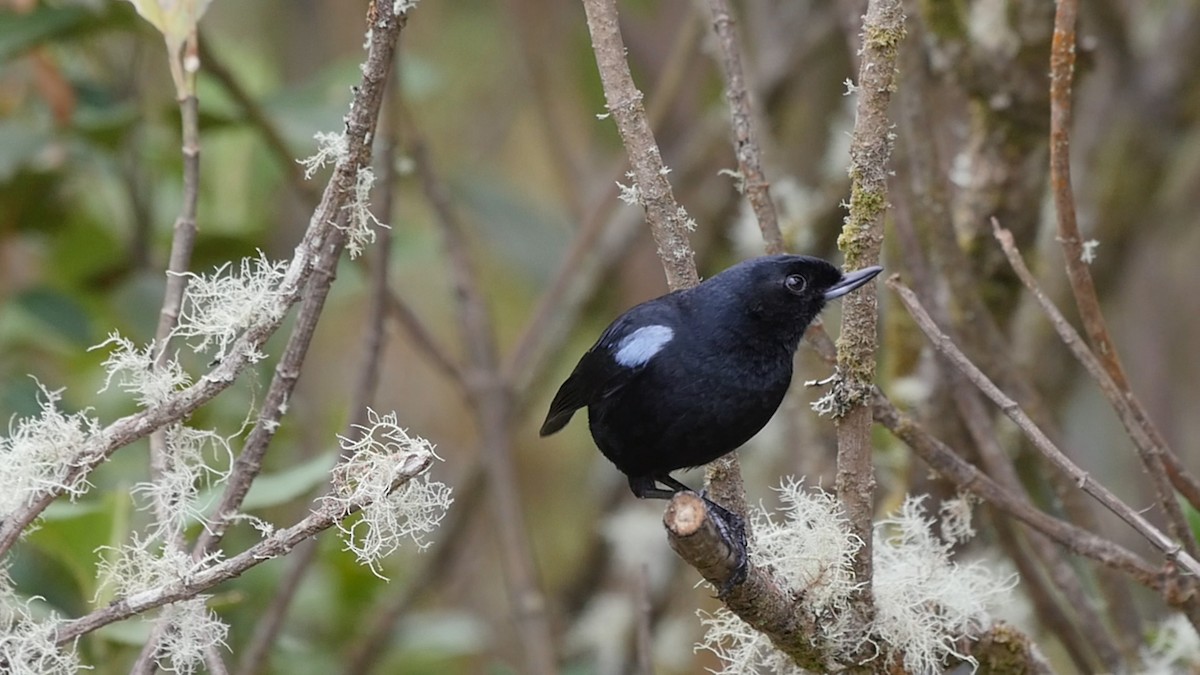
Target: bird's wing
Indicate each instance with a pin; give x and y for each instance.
(599, 374)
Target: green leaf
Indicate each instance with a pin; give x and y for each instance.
(274, 489)
(70, 533)
(22, 31)
(284, 486)
(56, 314)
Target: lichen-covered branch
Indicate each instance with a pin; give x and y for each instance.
(860, 241)
(760, 600)
(243, 350)
(325, 515)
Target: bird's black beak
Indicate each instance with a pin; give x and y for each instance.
(851, 281)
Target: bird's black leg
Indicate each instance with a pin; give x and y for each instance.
(731, 525)
(676, 486)
(646, 487)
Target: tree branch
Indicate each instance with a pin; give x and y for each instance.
(668, 222)
(860, 241)
(492, 400)
(948, 464)
(754, 185)
(278, 544)
(1062, 67)
(947, 348)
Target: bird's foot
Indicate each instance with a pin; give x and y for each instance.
(733, 530)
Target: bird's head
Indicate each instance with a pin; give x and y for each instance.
(786, 292)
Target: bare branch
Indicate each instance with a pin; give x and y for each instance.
(745, 145)
(1062, 67)
(668, 222)
(947, 463)
(947, 348)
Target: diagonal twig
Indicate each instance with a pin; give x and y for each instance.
(946, 462)
(280, 543)
(1170, 548)
(753, 183)
(1152, 454)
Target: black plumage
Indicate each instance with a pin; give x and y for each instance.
(685, 378)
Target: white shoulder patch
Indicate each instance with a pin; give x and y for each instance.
(639, 346)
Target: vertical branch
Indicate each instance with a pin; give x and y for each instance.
(1062, 67)
(184, 238)
(668, 221)
(183, 241)
(492, 403)
(860, 241)
(754, 184)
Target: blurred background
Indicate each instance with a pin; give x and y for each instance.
(505, 99)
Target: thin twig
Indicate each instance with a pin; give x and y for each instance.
(946, 462)
(1171, 549)
(861, 239)
(668, 222)
(1122, 401)
(1062, 67)
(491, 398)
(323, 516)
(266, 632)
(183, 242)
(1066, 579)
(754, 185)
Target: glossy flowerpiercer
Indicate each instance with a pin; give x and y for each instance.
(683, 379)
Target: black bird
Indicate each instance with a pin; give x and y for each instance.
(683, 379)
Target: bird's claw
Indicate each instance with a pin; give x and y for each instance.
(733, 530)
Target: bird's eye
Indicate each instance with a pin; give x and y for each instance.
(795, 283)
